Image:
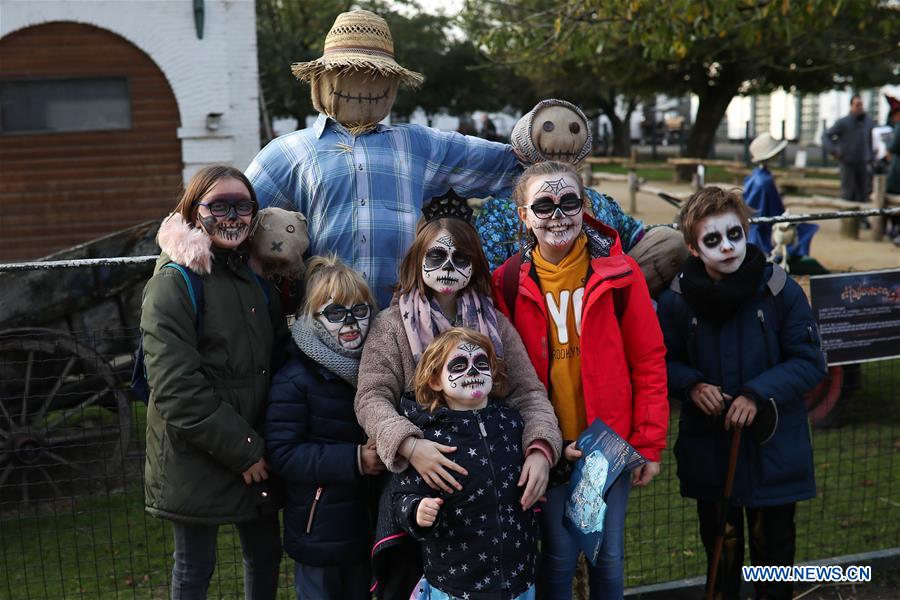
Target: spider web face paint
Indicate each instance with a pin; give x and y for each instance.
(445, 269)
(560, 230)
(466, 379)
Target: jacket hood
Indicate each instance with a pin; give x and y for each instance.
(185, 245)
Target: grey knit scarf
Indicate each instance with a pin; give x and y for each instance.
(314, 341)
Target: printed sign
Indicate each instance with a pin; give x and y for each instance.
(858, 315)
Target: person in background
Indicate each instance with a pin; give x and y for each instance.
(849, 140)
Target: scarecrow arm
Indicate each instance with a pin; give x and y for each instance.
(473, 167)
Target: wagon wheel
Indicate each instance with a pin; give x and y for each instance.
(822, 399)
(63, 415)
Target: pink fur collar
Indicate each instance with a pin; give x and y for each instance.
(185, 245)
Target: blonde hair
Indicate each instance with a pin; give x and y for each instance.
(432, 363)
(328, 277)
(707, 202)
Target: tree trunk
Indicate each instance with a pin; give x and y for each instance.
(714, 101)
(621, 127)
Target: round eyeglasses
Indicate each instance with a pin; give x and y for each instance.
(243, 207)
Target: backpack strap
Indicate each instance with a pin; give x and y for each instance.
(775, 285)
(195, 291)
(511, 284)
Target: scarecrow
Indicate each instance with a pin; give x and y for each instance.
(761, 194)
(558, 130)
(361, 183)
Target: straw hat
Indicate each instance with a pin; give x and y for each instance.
(362, 40)
(764, 146)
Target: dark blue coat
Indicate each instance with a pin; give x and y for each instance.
(311, 442)
(483, 546)
(769, 349)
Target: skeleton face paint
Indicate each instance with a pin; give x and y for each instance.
(720, 244)
(560, 230)
(558, 133)
(445, 269)
(357, 99)
(348, 325)
(466, 378)
(231, 230)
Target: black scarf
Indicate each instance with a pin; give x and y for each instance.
(718, 300)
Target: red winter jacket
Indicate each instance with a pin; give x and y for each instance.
(623, 365)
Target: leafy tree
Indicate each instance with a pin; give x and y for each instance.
(714, 49)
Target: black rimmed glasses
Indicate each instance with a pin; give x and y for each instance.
(569, 205)
(222, 207)
(335, 313)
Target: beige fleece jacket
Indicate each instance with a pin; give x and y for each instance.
(386, 372)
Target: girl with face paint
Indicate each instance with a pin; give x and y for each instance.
(740, 361)
(314, 442)
(584, 313)
(477, 541)
(444, 281)
(209, 388)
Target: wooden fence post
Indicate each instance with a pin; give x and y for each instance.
(632, 190)
(850, 228)
(879, 191)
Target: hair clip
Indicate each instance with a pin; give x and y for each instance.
(447, 206)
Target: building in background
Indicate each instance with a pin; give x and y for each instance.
(108, 106)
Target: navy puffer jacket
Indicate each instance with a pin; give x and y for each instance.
(311, 441)
(770, 350)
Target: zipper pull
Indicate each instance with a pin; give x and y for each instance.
(481, 425)
(760, 316)
(319, 492)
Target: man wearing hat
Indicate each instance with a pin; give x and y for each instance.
(559, 130)
(361, 183)
(761, 194)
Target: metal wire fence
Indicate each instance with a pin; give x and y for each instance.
(72, 522)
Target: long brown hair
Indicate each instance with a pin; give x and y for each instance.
(432, 363)
(203, 181)
(465, 238)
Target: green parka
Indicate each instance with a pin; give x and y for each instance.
(207, 396)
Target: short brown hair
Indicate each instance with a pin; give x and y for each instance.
(203, 181)
(464, 237)
(328, 277)
(707, 202)
(432, 363)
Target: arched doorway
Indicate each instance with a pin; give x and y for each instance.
(88, 138)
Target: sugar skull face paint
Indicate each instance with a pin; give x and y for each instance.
(229, 198)
(445, 269)
(466, 379)
(348, 325)
(721, 244)
(556, 228)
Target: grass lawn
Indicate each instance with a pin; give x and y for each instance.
(104, 546)
(662, 171)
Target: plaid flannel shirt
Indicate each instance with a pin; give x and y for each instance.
(362, 196)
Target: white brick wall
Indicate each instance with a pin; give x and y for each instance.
(217, 74)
